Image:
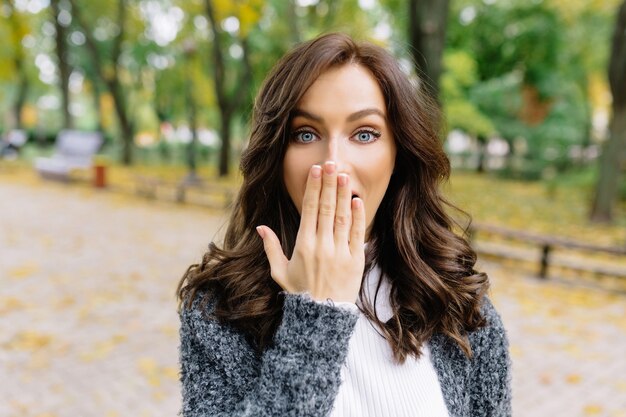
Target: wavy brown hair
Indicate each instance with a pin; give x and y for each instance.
(434, 287)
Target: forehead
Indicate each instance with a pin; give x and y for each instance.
(348, 87)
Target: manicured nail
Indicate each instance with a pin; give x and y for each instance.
(316, 171)
(342, 179)
(260, 231)
(329, 167)
(357, 203)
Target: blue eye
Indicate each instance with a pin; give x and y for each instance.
(366, 136)
(304, 136)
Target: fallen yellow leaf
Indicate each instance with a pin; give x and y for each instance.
(592, 410)
(65, 302)
(147, 365)
(29, 340)
(24, 271)
(150, 370)
(158, 396)
(516, 352)
(170, 331)
(10, 304)
(573, 379)
(102, 349)
(171, 372)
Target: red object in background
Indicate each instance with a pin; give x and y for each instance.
(99, 179)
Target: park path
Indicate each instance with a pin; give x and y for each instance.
(88, 323)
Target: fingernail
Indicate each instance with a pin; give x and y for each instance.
(356, 203)
(342, 179)
(329, 167)
(316, 171)
(260, 231)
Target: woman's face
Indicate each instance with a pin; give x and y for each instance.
(342, 118)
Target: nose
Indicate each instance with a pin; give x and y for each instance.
(337, 152)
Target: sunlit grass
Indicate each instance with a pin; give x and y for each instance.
(560, 210)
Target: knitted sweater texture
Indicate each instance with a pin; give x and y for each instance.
(222, 375)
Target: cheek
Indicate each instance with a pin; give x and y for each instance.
(295, 171)
(378, 177)
(378, 188)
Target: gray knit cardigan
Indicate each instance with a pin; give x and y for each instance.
(299, 375)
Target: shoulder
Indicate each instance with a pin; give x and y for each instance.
(196, 310)
(490, 339)
(490, 387)
(480, 385)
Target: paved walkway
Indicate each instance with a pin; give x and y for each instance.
(88, 324)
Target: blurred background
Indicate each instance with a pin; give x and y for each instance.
(121, 127)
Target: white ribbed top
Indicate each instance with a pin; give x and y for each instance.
(372, 383)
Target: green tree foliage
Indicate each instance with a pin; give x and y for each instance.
(457, 81)
(525, 83)
(18, 75)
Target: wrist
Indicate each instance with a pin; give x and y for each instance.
(345, 305)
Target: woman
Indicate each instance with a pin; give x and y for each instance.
(341, 288)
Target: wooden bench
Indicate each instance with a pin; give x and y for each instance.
(215, 195)
(74, 150)
(547, 244)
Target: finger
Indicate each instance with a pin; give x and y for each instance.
(275, 256)
(357, 232)
(310, 202)
(343, 215)
(328, 202)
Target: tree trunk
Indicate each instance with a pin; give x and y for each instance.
(119, 99)
(227, 103)
(22, 91)
(127, 128)
(427, 35)
(225, 148)
(607, 187)
(63, 66)
(223, 102)
(482, 154)
(192, 110)
(127, 132)
(112, 80)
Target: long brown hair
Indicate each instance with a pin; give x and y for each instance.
(434, 287)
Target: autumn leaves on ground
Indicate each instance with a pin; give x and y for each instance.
(88, 323)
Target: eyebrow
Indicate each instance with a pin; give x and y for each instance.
(351, 118)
